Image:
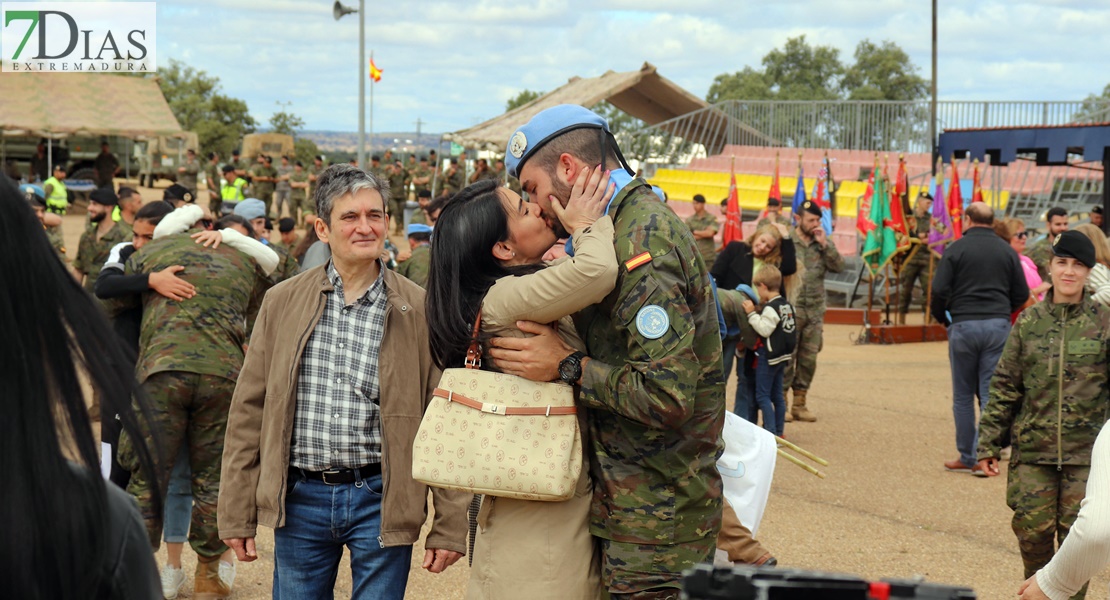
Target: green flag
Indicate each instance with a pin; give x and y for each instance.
(881, 243)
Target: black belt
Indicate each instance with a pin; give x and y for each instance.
(339, 476)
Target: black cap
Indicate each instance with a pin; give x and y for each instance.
(1073, 244)
(178, 192)
(424, 194)
(773, 201)
(376, 157)
(699, 199)
(811, 207)
(269, 224)
(925, 194)
(1097, 210)
(227, 169)
(105, 195)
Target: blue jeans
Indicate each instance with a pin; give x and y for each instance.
(179, 500)
(973, 351)
(743, 404)
(319, 520)
(768, 393)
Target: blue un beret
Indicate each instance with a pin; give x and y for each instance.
(34, 194)
(251, 208)
(417, 228)
(546, 125)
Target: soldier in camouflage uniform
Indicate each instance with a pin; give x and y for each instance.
(652, 377)
(1049, 396)
(397, 197)
(190, 354)
(1056, 222)
(704, 226)
(420, 216)
(213, 176)
(419, 263)
(102, 234)
(240, 164)
(774, 214)
(818, 257)
(453, 179)
(916, 266)
(298, 194)
(187, 173)
(37, 199)
(421, 177)
(263, 177)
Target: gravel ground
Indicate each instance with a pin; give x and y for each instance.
(887, 508)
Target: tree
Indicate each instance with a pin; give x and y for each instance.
(219, 121)
(882, 72)
(1095, 109)
(305, 150)
(524, 97)
(286, 122)
(803, 72)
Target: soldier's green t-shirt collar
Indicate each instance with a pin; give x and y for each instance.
(621, 178)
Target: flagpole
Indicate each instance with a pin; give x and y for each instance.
(362, 74)
(371, 106)
(928, 289)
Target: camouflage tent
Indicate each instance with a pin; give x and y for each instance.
(56, 105)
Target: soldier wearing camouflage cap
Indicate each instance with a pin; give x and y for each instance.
(1049, 396)
(652, 377)
(818, 257)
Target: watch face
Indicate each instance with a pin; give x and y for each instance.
(566, 370)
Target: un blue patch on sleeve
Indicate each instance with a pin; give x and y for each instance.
(652, 321)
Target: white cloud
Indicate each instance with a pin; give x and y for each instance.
(454, 63)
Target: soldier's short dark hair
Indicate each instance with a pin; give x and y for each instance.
(125, 192)
(212, 156)
(376, 157)
(154, 212)
(1055, 211)
(423, 236)
(339, 180)
(227, 169)
(228, 220)
(319, 157)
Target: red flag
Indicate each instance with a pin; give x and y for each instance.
(732, 231)
(863, 217)
(976, 190)
(897, 214)
(775, 191)
(956, 203)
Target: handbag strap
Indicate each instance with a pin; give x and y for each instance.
(474, 352)
(509, 411)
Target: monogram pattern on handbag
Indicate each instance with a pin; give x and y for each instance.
(485, 451)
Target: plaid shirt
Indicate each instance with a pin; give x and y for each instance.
(338, 420)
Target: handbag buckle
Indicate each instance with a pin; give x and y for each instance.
(492, 409)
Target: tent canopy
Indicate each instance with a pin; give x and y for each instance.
(644, 94)
(58, 104)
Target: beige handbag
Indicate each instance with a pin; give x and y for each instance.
(499, 435)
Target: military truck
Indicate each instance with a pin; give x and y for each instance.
(270, 144)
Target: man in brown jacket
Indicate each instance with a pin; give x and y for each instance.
(320, 432)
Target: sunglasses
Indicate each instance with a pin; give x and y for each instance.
(1022, 235)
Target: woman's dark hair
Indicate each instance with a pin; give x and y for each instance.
(229, 220)
(154, 212)
(53, 504)
(310, 237)
(463, 268)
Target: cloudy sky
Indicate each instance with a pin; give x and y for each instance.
(455, 63)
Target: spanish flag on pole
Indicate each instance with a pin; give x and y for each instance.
(375, 72)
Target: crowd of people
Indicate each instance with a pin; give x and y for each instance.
(244, 376)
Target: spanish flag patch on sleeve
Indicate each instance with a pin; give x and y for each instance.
(637, 261)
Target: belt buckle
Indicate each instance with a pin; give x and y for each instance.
(332, 472)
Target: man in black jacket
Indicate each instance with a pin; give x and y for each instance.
(978, 284)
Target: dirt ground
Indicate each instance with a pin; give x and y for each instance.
(887, 508)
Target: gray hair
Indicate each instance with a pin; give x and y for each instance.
(339, 180)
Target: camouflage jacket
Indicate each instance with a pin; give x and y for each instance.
(397, 185)
(707, 247)
(287, 265)
(417, 266)
(58, 244)
(213, 177)
(920, 226)
(732, 308)
(1041, 253)
(262, 190)
(92, 253)
(654, 383)
(204, 334)
(420, 172)
(817, 261)
(1049, 390)
(298, 193)
(781, 219)
(188, 179)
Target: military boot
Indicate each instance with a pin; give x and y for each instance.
(789, 418)
(208, 585)
(799, 410)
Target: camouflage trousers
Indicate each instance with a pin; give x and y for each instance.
(915, 271)
(811, 330)
(1045, 504)
(650, 572)
(189, 409)
(397, 213)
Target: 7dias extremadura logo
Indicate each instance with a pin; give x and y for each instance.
(78, 37)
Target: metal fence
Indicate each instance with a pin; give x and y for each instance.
(880, 126)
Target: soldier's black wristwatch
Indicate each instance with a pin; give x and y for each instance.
(570, 368)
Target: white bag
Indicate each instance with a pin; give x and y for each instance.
(747, 467)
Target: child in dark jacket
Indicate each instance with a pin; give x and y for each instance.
(777, 337)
